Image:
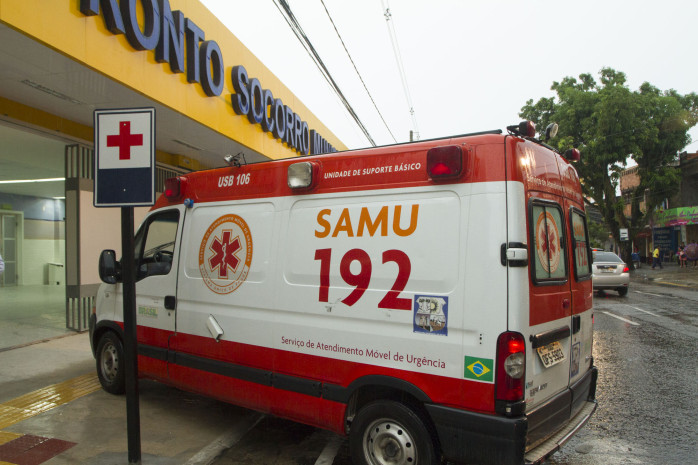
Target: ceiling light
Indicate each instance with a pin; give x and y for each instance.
(49, 91)
(24, 181)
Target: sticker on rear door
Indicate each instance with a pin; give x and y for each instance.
(225, 254)
(547, 242)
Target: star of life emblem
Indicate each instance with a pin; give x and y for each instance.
(225, 254)
(548, 242)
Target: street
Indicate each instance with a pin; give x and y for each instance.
(644, 346)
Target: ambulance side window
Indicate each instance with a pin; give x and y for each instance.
(580, 245)
(548, 239)
(155, 243)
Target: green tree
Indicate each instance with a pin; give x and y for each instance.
(609, 123)
(597, 234)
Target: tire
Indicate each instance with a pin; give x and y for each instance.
(110, 363)
(622, 291)
(389, 433)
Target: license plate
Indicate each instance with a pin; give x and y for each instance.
(551, 354)
(608, 271)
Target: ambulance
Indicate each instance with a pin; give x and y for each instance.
(431, 300)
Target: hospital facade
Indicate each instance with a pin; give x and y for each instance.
(60, 61)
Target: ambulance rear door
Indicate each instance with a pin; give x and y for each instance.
(540, 302)
(581, 285)
(550, 300)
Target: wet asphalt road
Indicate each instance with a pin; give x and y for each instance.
(647, 381)
(645, 347)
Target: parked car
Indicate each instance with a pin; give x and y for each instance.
(610, 272)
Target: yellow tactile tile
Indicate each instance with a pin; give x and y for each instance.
(6, 436)
(45, 399)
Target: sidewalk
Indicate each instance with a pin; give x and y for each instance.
(53, 412)
(670, 275)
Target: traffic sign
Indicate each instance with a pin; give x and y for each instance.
(124, 157)
(623, 234)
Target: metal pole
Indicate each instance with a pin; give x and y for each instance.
(128, 272)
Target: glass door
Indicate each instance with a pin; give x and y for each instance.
(8, 249)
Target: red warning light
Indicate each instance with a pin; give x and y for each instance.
(445, 161)
(172, 188)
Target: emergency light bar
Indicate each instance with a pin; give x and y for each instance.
(445, 162)
(523, 129)
(302, 175)
(572, 154)
(173, 188)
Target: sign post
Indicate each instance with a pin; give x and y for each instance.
(125, 177)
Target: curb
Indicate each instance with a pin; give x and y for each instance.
(684, 279)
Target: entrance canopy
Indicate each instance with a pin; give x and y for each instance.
(60, 61)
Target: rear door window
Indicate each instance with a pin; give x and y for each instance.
(580, 245)
(548, 239)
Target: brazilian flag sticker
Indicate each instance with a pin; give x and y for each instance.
(480, 369)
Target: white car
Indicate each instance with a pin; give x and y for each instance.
(610, 272)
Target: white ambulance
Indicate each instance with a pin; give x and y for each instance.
(432, 300)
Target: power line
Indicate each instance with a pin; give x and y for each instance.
(286, 12)
(357, 71)
(398, 58)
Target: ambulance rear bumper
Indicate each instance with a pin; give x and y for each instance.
(529, 439)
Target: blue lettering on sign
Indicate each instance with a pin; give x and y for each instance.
(194, 36)
(170, 48)
(148, 38)
(169, 32)
(211, 62)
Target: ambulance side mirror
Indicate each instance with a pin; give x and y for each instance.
(109, 267)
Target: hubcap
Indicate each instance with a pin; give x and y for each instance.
(387, 442)
(110, 362)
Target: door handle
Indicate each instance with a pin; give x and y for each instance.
(170, 302)
(576, 324)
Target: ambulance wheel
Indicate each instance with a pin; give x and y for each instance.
(390, 433)
(110, 363)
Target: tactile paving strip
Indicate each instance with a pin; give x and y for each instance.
(45, 399)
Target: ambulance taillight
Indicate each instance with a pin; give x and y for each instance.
(173, 188)
(445, 162)
(510, 373)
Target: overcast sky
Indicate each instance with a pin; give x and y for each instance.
(470, 65)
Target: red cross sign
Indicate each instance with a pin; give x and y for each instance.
(124, 157)
(124, 140)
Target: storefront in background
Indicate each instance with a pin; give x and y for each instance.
(674, 227)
